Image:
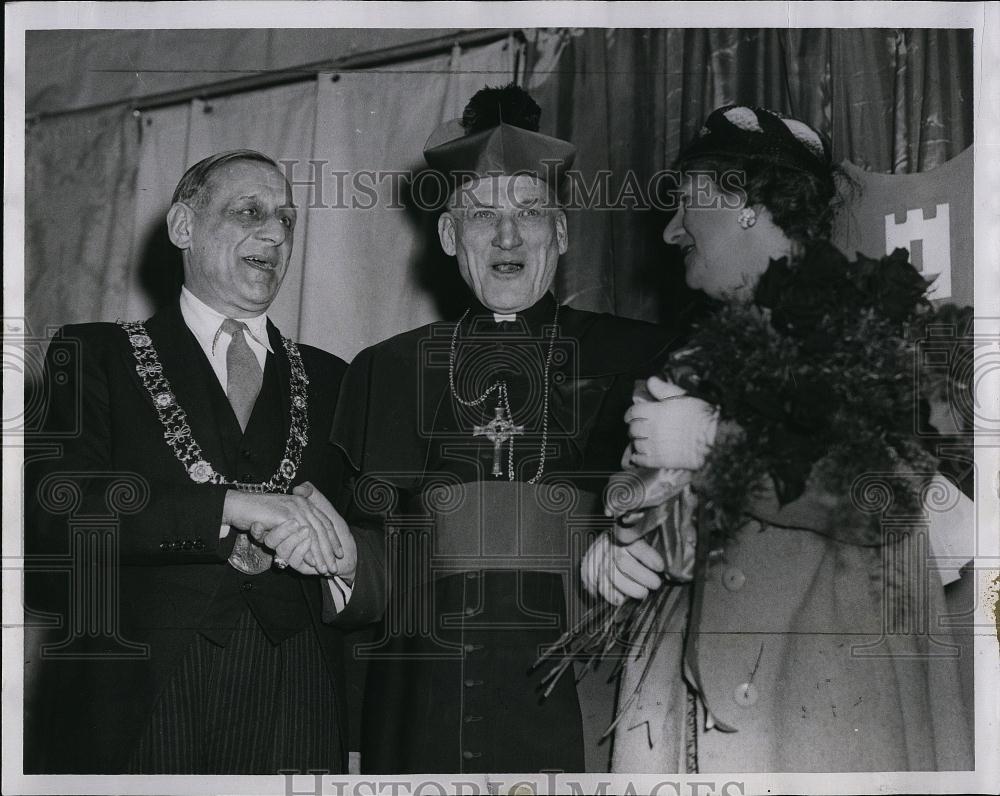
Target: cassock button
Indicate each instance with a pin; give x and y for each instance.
(733, 579)
(246, 453)
(746, 695)
(247, 585)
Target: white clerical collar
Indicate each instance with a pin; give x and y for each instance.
(501, 318)
(205, 322)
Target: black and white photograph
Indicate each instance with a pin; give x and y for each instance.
(481, 398)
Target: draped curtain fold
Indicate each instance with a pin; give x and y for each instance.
(79, 188)
(902, 99)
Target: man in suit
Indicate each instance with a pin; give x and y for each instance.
(162, 482)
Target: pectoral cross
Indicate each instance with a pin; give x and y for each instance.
(497, 431)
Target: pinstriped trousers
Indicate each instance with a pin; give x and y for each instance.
(250, 707)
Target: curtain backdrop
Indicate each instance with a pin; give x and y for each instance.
(375, 271)
(891, 100)
(82, 68)
(98, 183)
(79, 189)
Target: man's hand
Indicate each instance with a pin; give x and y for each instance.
(291, 544)
(347, 560)
(263, 514)
(673, 432)
(615, 571)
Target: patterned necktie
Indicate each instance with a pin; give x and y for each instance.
(243, 373)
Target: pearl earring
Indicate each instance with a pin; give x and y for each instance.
(746, 218)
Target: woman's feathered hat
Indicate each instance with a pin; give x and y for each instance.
(498, 135)
(742, 131)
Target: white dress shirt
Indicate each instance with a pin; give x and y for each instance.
(205, 324)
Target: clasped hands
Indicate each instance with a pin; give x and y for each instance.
(671, 434)
(303, 529)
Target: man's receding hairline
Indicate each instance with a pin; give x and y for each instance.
(209, 187)
(199, 195)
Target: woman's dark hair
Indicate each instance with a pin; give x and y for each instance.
(801, 203)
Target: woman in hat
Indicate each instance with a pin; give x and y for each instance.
(806, 636)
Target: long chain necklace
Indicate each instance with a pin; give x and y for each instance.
(502, 428)
(177, 430)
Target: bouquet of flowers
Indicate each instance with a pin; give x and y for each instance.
(815, 384)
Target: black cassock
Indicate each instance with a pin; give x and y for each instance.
(478, 568)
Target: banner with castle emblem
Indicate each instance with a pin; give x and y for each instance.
(928, 213)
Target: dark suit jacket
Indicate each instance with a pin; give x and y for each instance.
(111, 509)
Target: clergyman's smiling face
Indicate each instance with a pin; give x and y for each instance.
(507, 239)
